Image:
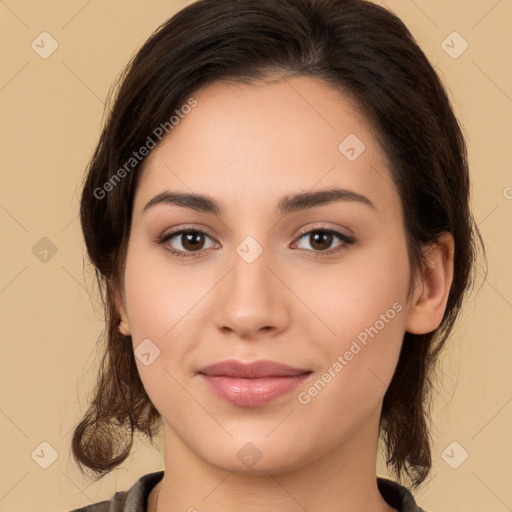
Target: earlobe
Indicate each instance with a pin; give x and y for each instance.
(433, 283)
(123, 327)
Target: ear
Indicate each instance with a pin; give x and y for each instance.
(432, 287)
(124, 327)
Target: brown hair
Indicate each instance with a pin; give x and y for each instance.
(368, 54)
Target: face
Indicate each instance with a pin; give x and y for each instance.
(269, 268)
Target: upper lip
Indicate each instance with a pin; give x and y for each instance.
(254, 370)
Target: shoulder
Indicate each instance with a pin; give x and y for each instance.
(133, 500)
(397, 496)
(102, 506)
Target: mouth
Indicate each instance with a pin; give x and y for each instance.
(253, 384)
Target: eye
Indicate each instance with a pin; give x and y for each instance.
(321, 239)
(188, 241)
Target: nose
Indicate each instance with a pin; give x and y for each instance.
(252, 300)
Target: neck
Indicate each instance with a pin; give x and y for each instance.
(344, 479)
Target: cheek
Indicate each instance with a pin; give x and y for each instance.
(164, 301)
(160, 295)
(368, 292)
(364, 309)
(160, 301)
(359, 361)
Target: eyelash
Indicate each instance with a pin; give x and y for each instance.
(193, 254)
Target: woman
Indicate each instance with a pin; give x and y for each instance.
(278, 213)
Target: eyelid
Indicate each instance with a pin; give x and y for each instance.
(185, 228)
(324, 227)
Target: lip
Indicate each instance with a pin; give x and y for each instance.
(254, 370)
(253, 384)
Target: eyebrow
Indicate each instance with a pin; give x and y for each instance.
(286, 205)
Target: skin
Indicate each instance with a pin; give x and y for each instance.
(247, 146)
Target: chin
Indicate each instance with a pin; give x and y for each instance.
(255, 456)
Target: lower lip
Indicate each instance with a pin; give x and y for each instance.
(253, 392)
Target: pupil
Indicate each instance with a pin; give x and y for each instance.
(192, 239)
(326, 236)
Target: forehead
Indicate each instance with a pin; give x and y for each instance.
(251, 143)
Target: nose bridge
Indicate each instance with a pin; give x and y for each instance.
(250, 279)
(251, 298)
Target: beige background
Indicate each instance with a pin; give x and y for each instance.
(51, 113)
